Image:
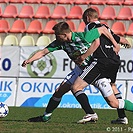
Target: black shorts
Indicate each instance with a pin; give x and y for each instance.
(97, 70)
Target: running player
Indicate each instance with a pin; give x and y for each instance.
(90, 17)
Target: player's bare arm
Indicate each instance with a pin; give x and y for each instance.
(36, 56)
(91, 50)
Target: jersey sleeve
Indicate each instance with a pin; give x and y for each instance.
(91, 35)
(53, 46)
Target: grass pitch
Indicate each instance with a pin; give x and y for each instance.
(62, 121)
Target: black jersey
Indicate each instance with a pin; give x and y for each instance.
(105, 50)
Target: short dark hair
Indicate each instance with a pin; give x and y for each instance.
(90, 12)
(61, 28)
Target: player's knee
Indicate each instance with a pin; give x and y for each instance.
(78, 86)
(75, 88)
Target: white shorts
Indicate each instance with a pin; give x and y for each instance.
(104, 86)
(72, 76)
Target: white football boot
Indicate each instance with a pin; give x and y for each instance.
(88, 118)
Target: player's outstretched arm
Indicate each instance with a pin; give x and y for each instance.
(36, 56)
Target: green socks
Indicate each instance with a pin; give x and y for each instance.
(128, 105)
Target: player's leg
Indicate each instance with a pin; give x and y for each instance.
(90, 74)
(122, 119)
(107, 92)
(56, 98)
(53, 103)
(62, 89)
(82, 98)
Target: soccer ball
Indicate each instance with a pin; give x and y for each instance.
(4, 110)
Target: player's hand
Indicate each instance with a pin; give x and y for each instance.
(25, 63)
(80, 59)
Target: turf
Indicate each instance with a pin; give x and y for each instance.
(63, 121)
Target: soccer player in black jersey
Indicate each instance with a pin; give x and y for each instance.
(105, 53)
(109, 61)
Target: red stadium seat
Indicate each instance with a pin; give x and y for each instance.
(72, 25)
(4, 26)
(26, 12)
(128, 2)
(4, 1)
(59, 12)
(130, 30)
(80, 2)
(18, 27)
(10, 12)
(48, 27)
(33, 1)
(0, 12)
(108, 13)
(115, 2)
(119, 28)
(81, 27)
(125, 13)
(98, 2)
(49, 1)
(66, 1)
(75, 13)
(16, 1)
(35, 27)
(42, 12)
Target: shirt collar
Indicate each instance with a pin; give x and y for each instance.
(73, 36)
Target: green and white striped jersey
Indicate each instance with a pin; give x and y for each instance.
(80, 42)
